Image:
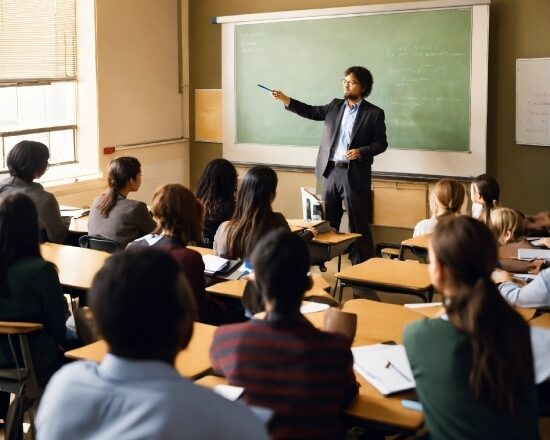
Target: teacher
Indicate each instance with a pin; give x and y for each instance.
(354, 133)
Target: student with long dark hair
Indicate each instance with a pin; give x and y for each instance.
(27, 161)
(29, 289)
(485, 195)
(179, 217)
(474, 366)
(216, 190)
(254, 216)
(113, 215)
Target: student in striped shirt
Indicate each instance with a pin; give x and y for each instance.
(284, 363)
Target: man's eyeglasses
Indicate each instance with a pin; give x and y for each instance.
(349, 83)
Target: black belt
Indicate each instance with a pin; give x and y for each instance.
(344, 165)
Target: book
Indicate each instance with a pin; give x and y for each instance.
(213, 263)
(530, 254)
(386, 367)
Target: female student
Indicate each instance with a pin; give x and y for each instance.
(29, 289)
(447, 198)
(253, 216)
(473, 367)
(216, 190)
(113, 215)
(485, 195)
(27, 161)
(179, 217)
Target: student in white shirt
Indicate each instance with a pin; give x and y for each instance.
(144, 310)
(447, 198)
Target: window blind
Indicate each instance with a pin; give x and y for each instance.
(37, 41)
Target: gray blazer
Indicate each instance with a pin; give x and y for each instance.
(49, 217)
(128, 220)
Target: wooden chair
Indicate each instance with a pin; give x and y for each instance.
(99, 243)
(20, 379)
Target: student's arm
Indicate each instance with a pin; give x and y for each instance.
(143, 219)
(534, 294)
(215, 349)
(51, 218)
(50, 295)
(351, 387)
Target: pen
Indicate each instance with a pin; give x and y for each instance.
(388, 364)
(264, 87)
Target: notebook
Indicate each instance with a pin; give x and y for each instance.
(530, 254)
(385, 367)
(213, 263)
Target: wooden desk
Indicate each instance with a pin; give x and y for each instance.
(415, 248)
(202, 250)
(235, 288)
(389, 276)
(77, 266)
(191, 362)
(436, 311)
(328, 245)
(541, 321)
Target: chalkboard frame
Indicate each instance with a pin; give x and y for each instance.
(393, 161)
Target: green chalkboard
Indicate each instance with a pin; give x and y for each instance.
(420, 61)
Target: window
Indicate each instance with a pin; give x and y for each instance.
(39, 91)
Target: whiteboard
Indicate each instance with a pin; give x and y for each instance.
(394, 161)
(533, 101)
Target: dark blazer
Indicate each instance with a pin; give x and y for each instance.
(368, 135)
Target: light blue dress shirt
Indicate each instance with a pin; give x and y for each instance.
(344, 135)
(124, 399)
(534, 294)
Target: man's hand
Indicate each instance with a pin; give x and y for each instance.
(280, 96)
(353, 154)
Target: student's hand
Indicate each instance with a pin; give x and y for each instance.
(353, 154)
(280, 96)
(500, 276)
(545, 242)
(313, 230)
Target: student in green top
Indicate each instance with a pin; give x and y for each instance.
(473, 367)
(29, 289)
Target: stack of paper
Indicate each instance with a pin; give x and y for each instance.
(530, 254)
(213, 263)
(386, 367)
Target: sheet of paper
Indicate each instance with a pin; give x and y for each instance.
(229, 391)
(386, 367)
(312, 307)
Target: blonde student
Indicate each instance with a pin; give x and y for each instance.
(447, 198)
(474, 366)
(485, 195)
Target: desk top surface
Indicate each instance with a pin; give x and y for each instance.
(421, 241)
(388, 273)
(191, 362)
(77, 266)
(332, 237)
(235, 288)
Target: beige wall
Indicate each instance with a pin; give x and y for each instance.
(139, 99)
(518, 29)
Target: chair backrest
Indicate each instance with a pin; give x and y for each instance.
(99, 243)
(85, 325)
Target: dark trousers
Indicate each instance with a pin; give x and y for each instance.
(358, 206)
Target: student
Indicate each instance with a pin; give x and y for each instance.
(27, 161)
(144, 311)
(507, 225)
(253, 216)
(534, 294)
(473, 367)
(284, 363)
(447, 198)
(29, 289)
(114, 216)
(216, 190)
(179, 217)
(485, 195)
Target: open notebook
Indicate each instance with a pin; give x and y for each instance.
(386, 367)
